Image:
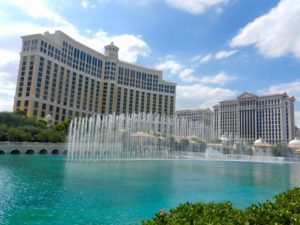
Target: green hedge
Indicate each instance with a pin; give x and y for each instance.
(283, 209)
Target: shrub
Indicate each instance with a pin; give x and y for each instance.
(284, 209)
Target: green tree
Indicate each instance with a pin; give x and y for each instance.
(43, 136)
(20, 112)
(3, 132)
(57, 136)
(280, 149)
(63, 126)
(14, 134)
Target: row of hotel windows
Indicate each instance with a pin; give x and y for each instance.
(142, 80)
(89, 64)
(271, 102)
(56, 111)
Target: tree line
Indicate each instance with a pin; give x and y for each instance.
(17, 127)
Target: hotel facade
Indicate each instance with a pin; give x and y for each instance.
(64, 78)
(200, 122)
(250, 117)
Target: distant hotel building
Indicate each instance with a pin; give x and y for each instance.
(200, 122)
(250, 117)
(61, 77)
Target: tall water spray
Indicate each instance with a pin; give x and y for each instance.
(137, 136)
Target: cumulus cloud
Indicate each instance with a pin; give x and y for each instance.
(291, 88)
(217, 56)
(171, 65)
(38, 9)
(220, 78)
(274, 34)
(205, 58)
(187, 74)
(225, 54)
(201, 96)
(84, 4)
(131, 46)
(194, 6)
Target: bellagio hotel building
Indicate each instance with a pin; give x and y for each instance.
(64, 78)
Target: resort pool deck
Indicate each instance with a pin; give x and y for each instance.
(40, 189)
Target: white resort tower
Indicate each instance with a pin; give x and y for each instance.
(249, 117)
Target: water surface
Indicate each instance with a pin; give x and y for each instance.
(49, 190)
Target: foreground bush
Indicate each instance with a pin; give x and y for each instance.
(283, 209)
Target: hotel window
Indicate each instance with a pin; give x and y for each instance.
(97, 96)
(79, 90)
(143, 102)
(125, 100)
(137, 95)
(130, 101)
(119, 100)
(104, 98)
(160, 104)
(166, 105)
(148, 103)
(111, 98)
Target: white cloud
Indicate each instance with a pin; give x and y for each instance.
(38, 9)
(220, 78)
(292, 89)
(7, 56)
(194, 6)
(219, 10)
(170, 65)
(201, 58)
(201, 96)
(84, 4)
(225, 54)
(7, 91)
(188, 74)
(205, 58)
(218, 55)
(276, 33)
(131, 46)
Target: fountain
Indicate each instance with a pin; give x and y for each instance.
(136, 136)
(149, 136)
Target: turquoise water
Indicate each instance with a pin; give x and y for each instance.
(49, 190)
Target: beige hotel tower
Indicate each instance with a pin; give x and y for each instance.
(64, 78)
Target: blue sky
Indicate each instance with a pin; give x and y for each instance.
(213, 49)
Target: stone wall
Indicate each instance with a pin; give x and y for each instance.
(33, 148)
